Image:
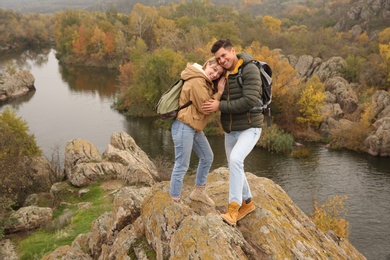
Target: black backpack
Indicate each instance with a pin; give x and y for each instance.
(263, 105)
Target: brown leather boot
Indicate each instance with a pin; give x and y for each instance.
(199, 194)
(247, 207)
(230, 216)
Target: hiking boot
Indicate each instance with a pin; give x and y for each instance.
(176, 199)
(247, 207)
(199, 194)
(230, 216)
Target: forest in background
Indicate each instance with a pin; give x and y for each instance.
(151, 45)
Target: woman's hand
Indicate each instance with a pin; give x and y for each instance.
(221, 84)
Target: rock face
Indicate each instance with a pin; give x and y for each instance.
(15, 85)
(341, 101)
(308, 66)
(363, 12)
(378, 143)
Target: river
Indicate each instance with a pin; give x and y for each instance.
(72, 102)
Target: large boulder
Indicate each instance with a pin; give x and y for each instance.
(122, 159)
(330, 68)
(17, 84)
(344, 94)
(29, 218)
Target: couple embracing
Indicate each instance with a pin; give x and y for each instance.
(214, 87)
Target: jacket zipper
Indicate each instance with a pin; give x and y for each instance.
(230, 113)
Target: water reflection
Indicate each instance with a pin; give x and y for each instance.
(26, 59)
(16, 102)
(80, 79)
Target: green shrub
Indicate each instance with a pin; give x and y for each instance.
(276, 140)
(16, 146)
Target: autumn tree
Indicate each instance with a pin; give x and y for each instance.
(167, 34)
(16, 146)
(23, 31)
(272, 24)
(384, 36)
(141, 21)
(384, 50)
(154, 74)
(310, 103)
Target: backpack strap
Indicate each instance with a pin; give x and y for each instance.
(239, 73)
(185, 105)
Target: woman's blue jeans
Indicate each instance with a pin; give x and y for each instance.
(185, 140)
(238, 144)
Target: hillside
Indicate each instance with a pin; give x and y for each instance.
(342, 15)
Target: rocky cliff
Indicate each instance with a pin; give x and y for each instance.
(365, 15)
(145, 223)
(342, 102)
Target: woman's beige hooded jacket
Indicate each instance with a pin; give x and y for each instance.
(197, 88)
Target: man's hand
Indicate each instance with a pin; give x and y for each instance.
(211, 106)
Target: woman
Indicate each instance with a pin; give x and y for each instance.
(201, 84)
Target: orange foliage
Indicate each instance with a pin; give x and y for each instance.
(126, 74)
(80, 43)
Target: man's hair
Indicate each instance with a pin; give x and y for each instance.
(221, 43)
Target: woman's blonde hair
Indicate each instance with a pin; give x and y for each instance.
(212, 61)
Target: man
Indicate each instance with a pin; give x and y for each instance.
(242, 126)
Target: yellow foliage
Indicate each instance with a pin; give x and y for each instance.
(384, 36)
(310, 103)
(167, 34)
(272, 24)
(367, 116)
(363, 38)
(329, 216)
(384, 51)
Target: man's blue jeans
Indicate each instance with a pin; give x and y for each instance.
(185, 140)
(238, 144)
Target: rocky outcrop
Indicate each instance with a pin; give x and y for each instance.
(343, 94)
(378, 142)
(122, 159)
(145, 223)
(308, 66)
(341, 102)
(363, 12)
(16, 85)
